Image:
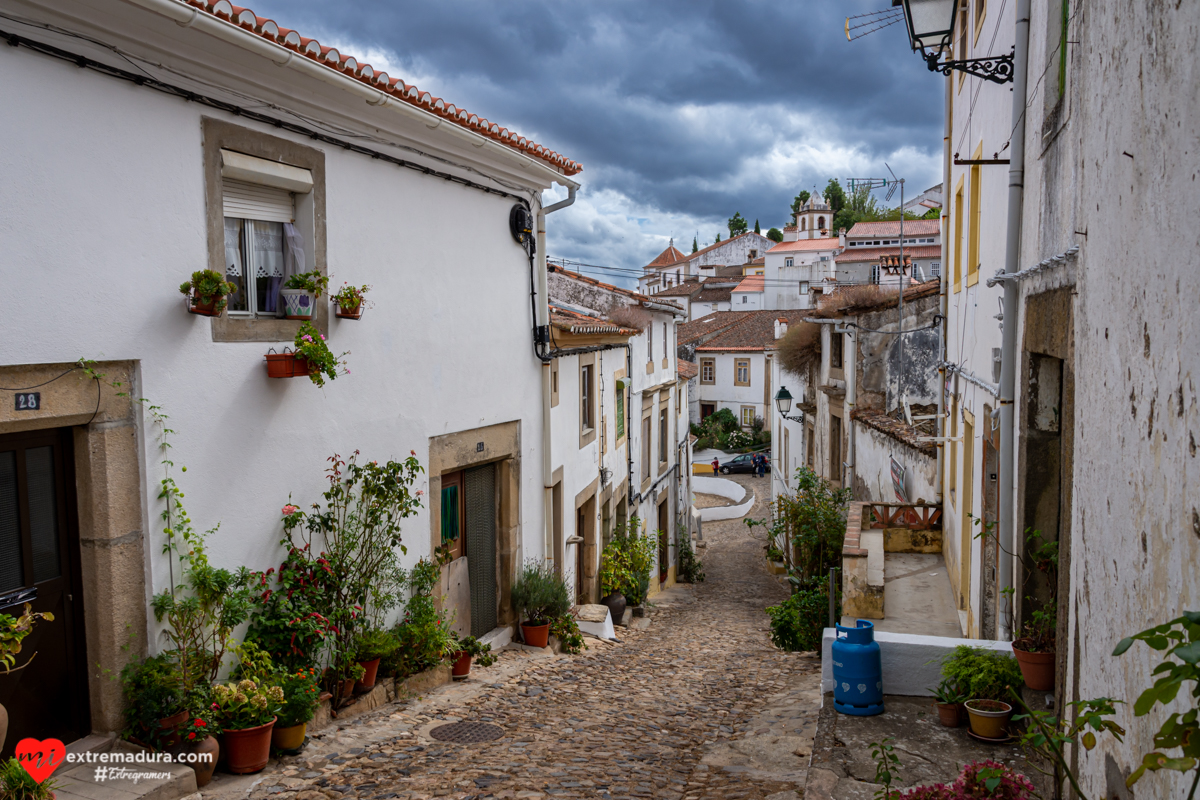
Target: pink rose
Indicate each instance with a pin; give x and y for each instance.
(289, 509)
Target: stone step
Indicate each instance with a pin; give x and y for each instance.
(113, 780)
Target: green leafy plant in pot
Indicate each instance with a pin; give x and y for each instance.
(154, 700)
(371, 647)
(13, 631)
(351, 301)
(539, 596)
(300, 293)
(301, 697)
(984, 676)
(1034, 649)
(17, 784)
(245, 711)
(207, 291)
(469, 648)
(948, 698)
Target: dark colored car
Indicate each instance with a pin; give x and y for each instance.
(739, 463)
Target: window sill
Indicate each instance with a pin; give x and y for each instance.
(248, 329)
(649, 367)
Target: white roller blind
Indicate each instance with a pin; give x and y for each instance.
(253, 201)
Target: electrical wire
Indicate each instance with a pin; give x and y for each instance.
(52, 380)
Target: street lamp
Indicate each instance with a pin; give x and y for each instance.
(931, 30)
(783, 402)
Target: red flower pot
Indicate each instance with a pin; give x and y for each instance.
(367, 681)
(462, 666)
(207, 753)
(1037, 669)
(248, 749)
(535, 635)
(355, 313)
(286, 365)
(948, 714)
(168, 728)
(208, 309)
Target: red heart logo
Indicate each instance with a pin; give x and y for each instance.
(40, 758)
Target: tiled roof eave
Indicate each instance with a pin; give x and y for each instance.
(291, 43)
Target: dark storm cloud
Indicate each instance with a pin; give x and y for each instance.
(691, 110)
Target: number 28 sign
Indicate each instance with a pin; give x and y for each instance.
(28, 401)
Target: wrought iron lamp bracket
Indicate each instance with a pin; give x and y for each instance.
(997, 69)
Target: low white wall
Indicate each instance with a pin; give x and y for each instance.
(912, 664)
(728, 489)
(873, 468)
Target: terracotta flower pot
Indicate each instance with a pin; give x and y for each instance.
(462, 666)
(249, 749)
(1036, 668)
(367, 681)
(948, 714)
(286, 365)
(168, 729)
(535, 635)
(289, 738)
(206, 754)
(989, 718)
(349, 313)
(207, 309)
(347, 689)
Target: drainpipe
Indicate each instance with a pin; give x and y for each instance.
(941, 392)
(543, 322)
(1012, 257)
(849, 403)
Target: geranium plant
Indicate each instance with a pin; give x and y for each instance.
(310, 345)
(314, 282)
(301, 696)
(350, 298)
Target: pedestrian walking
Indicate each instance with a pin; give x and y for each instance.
(716, 465)
(760, 464)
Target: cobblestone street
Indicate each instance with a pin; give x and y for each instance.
(697, 705)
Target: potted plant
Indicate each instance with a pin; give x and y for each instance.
(301, 696)
(17, 784)
(206, 292)
(350, 301)
(984, 676)
(13, 631)
(373, 645)
(540, 596)
(948, 698)
(245, 713)
(425, 637)
(1034, 649)
(300, 293)
(196, 735)
(469, 648)
(312, 357)
(154, 700)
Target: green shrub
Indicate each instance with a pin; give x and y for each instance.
(690, 568)
(798, 622)
(982, 674)
(565, 628)
(626, 561)
(375, 644)
(153, 689)
(17, 784)
(538, 595)
(424, 636)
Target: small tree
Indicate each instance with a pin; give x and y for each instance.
(799, 200)
(775, 235)
(737, 225)
(695, 244)
(835, 196)
(718, 238)
(757, 229)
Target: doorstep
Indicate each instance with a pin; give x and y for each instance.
(89, 782)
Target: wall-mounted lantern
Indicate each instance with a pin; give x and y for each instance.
(931, 30)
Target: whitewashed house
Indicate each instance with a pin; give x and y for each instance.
(208, 142)
(644, 472)
(670, 268)
(869, 244)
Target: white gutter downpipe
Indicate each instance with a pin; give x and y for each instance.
(189, 17)
(543, 322)
(1008, 357)
(939, 430)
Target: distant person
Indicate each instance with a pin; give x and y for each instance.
(760, 464)
(716, 465)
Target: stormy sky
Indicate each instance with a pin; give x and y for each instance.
(681, 111)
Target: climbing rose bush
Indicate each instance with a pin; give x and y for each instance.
(981, 780)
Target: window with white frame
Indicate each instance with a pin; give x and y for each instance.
(874, 273)
(747, 416)
(935, 269)
(787, 262)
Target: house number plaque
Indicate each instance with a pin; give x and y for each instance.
(28, 401)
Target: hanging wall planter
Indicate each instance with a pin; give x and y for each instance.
(350, 301)
(206, 292)
(286, 365)
(300, 293)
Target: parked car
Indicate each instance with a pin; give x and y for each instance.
(739, 463)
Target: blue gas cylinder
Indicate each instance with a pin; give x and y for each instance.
(857, 671)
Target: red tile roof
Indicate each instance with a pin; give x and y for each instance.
(889, 299)
(686, 289)
(754, 332)
(686, 369)
(349, 66)
(912, 227)
(714, 294)
(752, 283)
(641, 298)
(667, 258)
(828, 243)
(716, 321)
(873, 253)
(571, 321)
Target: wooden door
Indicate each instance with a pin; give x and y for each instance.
(39, 565)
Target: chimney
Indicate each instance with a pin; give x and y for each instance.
(780, 328)
(842, 238)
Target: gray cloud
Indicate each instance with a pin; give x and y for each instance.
(681, 112)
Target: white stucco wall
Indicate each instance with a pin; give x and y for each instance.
(112, 219)
(723, 392)
(873, 455)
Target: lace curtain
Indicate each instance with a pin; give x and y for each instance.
(276, 251)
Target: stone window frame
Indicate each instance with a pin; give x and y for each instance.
(219, 135)
(737, 362)
(587, 435)
(711, 363)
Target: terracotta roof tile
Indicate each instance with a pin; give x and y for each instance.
(912, 227)
(859, 254)
(913, 292)
(641, 298)
(755, 331)
(751, 283)
(893, 428)
(567, 319)
(667, 258)
(348, 65)
(714, 294)
(711, 323)
(686, 369)
(685, 289)
(803, 245)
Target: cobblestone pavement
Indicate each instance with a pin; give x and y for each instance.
(697, 705)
